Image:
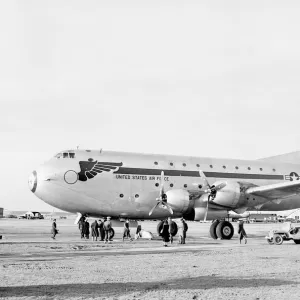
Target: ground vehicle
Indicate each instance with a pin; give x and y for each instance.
(31, 215)
(288, 231)
(22, 217)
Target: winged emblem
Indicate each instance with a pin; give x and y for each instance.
(89, 169)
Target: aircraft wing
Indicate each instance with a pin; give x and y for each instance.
(276, 191)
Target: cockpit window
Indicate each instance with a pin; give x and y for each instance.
(58, 155)
(66, 154)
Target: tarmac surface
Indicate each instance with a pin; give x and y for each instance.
(33, 266)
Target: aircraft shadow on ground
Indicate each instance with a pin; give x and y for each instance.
(110, 289)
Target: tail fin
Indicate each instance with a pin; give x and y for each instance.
(292, 158)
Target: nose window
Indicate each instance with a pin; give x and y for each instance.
(65, 155)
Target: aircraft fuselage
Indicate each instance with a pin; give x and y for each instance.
(118, 184)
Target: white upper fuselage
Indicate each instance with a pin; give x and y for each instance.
(118, 184)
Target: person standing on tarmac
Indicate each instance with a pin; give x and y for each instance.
(101, 230)
(80, 226)
(182, 229)
(165, 234)
(86, 229)
(94, 228)
(172, 229)
(54, 230)
(242, 231)
(107, 227)
(126, 231)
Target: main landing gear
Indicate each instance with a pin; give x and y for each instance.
(173, 228)
(221, 229)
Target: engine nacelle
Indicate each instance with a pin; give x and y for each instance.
(229, 195)
(212, 214)
(178, 200)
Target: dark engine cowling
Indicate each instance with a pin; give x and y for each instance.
(178, 200)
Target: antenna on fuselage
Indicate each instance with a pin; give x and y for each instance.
(100, 150)
(77, 147)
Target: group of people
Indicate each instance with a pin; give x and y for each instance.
(168, 230)
(101, 229)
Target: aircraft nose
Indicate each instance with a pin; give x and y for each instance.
(32, 181)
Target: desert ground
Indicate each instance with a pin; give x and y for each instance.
(33, 266)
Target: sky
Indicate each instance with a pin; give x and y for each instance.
(200, 78)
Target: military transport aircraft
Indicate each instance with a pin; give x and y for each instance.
(122, 185)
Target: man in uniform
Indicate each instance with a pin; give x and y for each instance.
(54, 231)
(182, 229)
(101, 230)
(172, 229)
(107, 228)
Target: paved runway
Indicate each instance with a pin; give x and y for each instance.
(33, 265)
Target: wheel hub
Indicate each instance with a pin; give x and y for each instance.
(226, 230)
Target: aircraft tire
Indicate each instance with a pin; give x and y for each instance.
(278, 239)
(270, 241)
(111, 233)
(297, 241)
(225, 230)
(173, 226)
(212, 229)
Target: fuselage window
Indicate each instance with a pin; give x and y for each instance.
(198, 166)
(236, 167)
(171, 184)
(65, 155)
(136, 195)
(184, 164)
(249, 168)
(171, 164)
(211, 166)
(121, 195)
(224, 167)
(185, 186)
(274, 170)
(156, 184)
(156, 163)
(200, 186)
(261, 169)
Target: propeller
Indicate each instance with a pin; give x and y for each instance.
(162, 198)
(211, 190)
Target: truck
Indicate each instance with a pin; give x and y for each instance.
(287, 231)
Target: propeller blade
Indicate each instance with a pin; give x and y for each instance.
(204, 178)
(220, 186)
(169, 208)
(206, 211)
(153, 208)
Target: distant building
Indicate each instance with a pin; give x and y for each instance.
(1, 212)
